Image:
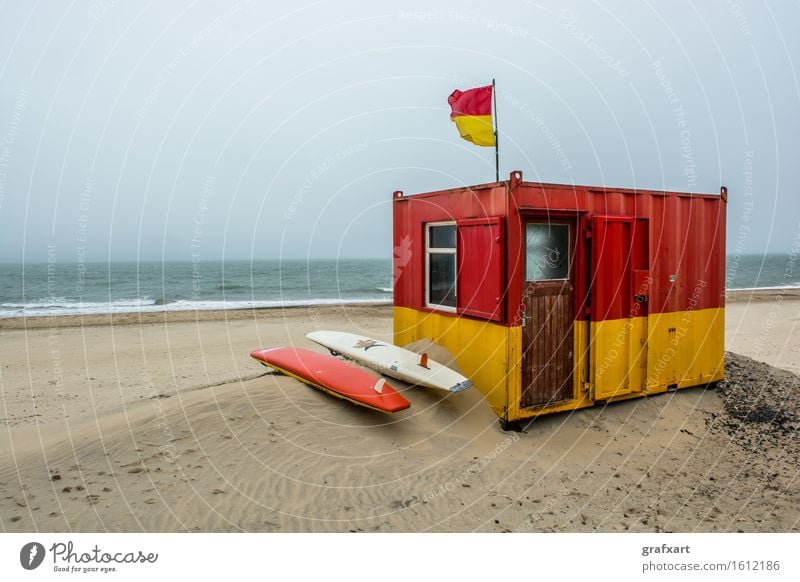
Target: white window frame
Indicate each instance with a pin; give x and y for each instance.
(438, 250)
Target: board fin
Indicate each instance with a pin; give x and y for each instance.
(379, 386)
(423, 361)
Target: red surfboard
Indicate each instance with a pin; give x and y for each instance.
(333, 376)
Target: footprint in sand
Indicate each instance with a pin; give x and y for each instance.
(397, 504)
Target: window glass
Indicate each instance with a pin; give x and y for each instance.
(442, 279)
(442, 237)
(547, 252)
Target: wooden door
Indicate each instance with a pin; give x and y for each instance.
(547, 334)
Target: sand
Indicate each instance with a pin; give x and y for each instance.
(163, 423)
(765, 326)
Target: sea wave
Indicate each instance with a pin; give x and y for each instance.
(41, 309)
(773, 288)
(56, 303)
(385, 289)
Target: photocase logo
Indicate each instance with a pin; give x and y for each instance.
(31, 555)
(402, 257)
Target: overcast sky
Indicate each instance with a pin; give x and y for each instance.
(272, 129)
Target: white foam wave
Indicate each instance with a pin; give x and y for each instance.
(61, 303)
(40, 309)
(774, 288)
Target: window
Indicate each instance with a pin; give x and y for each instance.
(440, 255)
(547, 251)
(464, 267)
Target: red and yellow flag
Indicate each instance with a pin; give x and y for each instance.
(472, 114)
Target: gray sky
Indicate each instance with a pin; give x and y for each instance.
(280, 129)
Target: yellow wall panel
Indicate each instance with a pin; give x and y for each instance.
(479, 347)
(614, 359)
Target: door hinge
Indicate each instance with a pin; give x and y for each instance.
(587, 233)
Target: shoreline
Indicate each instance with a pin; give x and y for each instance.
(185, 316)
(760, 295)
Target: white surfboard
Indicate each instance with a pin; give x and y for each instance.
(392, 360)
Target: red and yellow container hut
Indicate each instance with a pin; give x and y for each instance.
(557, 297)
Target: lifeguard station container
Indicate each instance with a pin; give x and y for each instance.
(554, 297)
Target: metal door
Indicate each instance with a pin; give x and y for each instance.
(619, 290)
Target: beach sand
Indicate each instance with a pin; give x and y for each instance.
(164, 423)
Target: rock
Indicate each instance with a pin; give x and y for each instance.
(761, 407)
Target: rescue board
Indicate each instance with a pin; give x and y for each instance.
(333, 376)
(392, 360)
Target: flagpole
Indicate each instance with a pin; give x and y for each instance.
(496, 146)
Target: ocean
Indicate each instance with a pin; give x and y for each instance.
(91, 288)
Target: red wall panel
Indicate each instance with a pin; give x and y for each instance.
(677, 239)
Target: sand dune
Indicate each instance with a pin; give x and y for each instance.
(171, 427)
